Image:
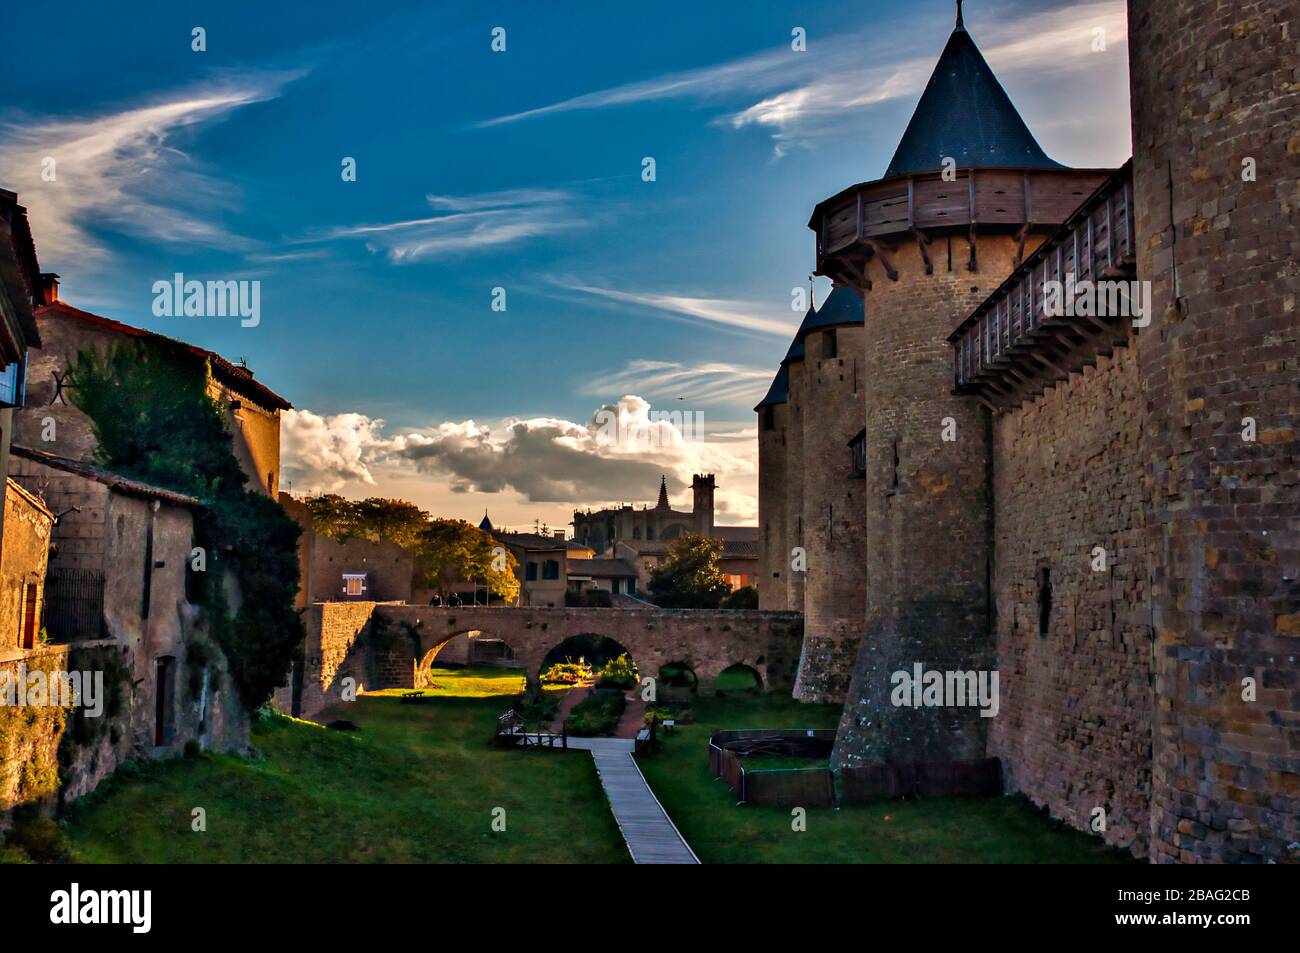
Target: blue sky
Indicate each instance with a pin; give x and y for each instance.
(479, 169)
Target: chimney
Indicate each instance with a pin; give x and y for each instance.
(559, 534)
(49, 287)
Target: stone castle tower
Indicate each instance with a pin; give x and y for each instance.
(811, 415)
(1216, 149)
(967, 195)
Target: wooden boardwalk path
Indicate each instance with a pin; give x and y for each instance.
(649, 833)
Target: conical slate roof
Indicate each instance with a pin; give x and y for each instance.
(779, 392)
(842, 306)
(485, 524)
(965, 114)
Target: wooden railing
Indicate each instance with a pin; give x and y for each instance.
(1096, 243)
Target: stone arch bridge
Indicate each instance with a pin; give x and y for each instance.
(382, 645)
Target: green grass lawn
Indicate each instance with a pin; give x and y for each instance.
(481, 681)
(417, 784)
(939, 830)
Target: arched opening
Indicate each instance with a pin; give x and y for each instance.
(470, 664)
(738, 678)
(594, 680)
(676, 678)
(580, 659)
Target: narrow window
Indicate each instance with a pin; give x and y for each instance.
(769, 417)
(1044, 601)
(163, 702)
(858, 455)
(551, 569)
(147, 589)
(27, 635)
(830, 346)
(530, 574)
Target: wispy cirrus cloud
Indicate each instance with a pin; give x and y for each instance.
(713, 382)
(804, 96)
(466, 223)
(127, 171)
(755, 317)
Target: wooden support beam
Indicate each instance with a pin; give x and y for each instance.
(923, 243)
(1020, 244)
(885, 261)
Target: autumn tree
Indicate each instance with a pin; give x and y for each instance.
(448, 551)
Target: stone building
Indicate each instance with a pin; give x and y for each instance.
(119, 556)
(20, 288)
(24, 558)
(601, 529)
(1099, 506)
(252, 410)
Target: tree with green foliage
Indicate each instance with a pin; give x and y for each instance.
(155, 421)
(690, 577)
(374, 518)
(449, 551)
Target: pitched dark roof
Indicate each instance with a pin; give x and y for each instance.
(842, 306)
(110, 479)
(485, 524)
(740, 534)
(536, 541)
(966, 114)
(779, 392)
(237, 377)
(20, 273)
(604, 568)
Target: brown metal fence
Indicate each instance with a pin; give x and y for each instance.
(777, 787)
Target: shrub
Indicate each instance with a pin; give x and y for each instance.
(595, 715)
(537, 707)
(40, 838)
(567, 673)
(617, 673)
(745, 597)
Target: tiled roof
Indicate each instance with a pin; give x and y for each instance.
(531, 540)
(234, 376)
(604, 568)
(110, 479)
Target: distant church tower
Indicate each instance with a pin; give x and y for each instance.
(968, 193)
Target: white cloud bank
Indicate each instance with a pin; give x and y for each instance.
(618, 455)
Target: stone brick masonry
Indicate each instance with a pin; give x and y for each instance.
(1073, 641)
(1216, 138)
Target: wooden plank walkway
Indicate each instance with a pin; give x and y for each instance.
(649, 832)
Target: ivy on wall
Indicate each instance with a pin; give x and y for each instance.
(155, 422)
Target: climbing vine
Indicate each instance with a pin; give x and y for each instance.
(155, 421)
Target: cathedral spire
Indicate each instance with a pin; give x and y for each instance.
(663, 494)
